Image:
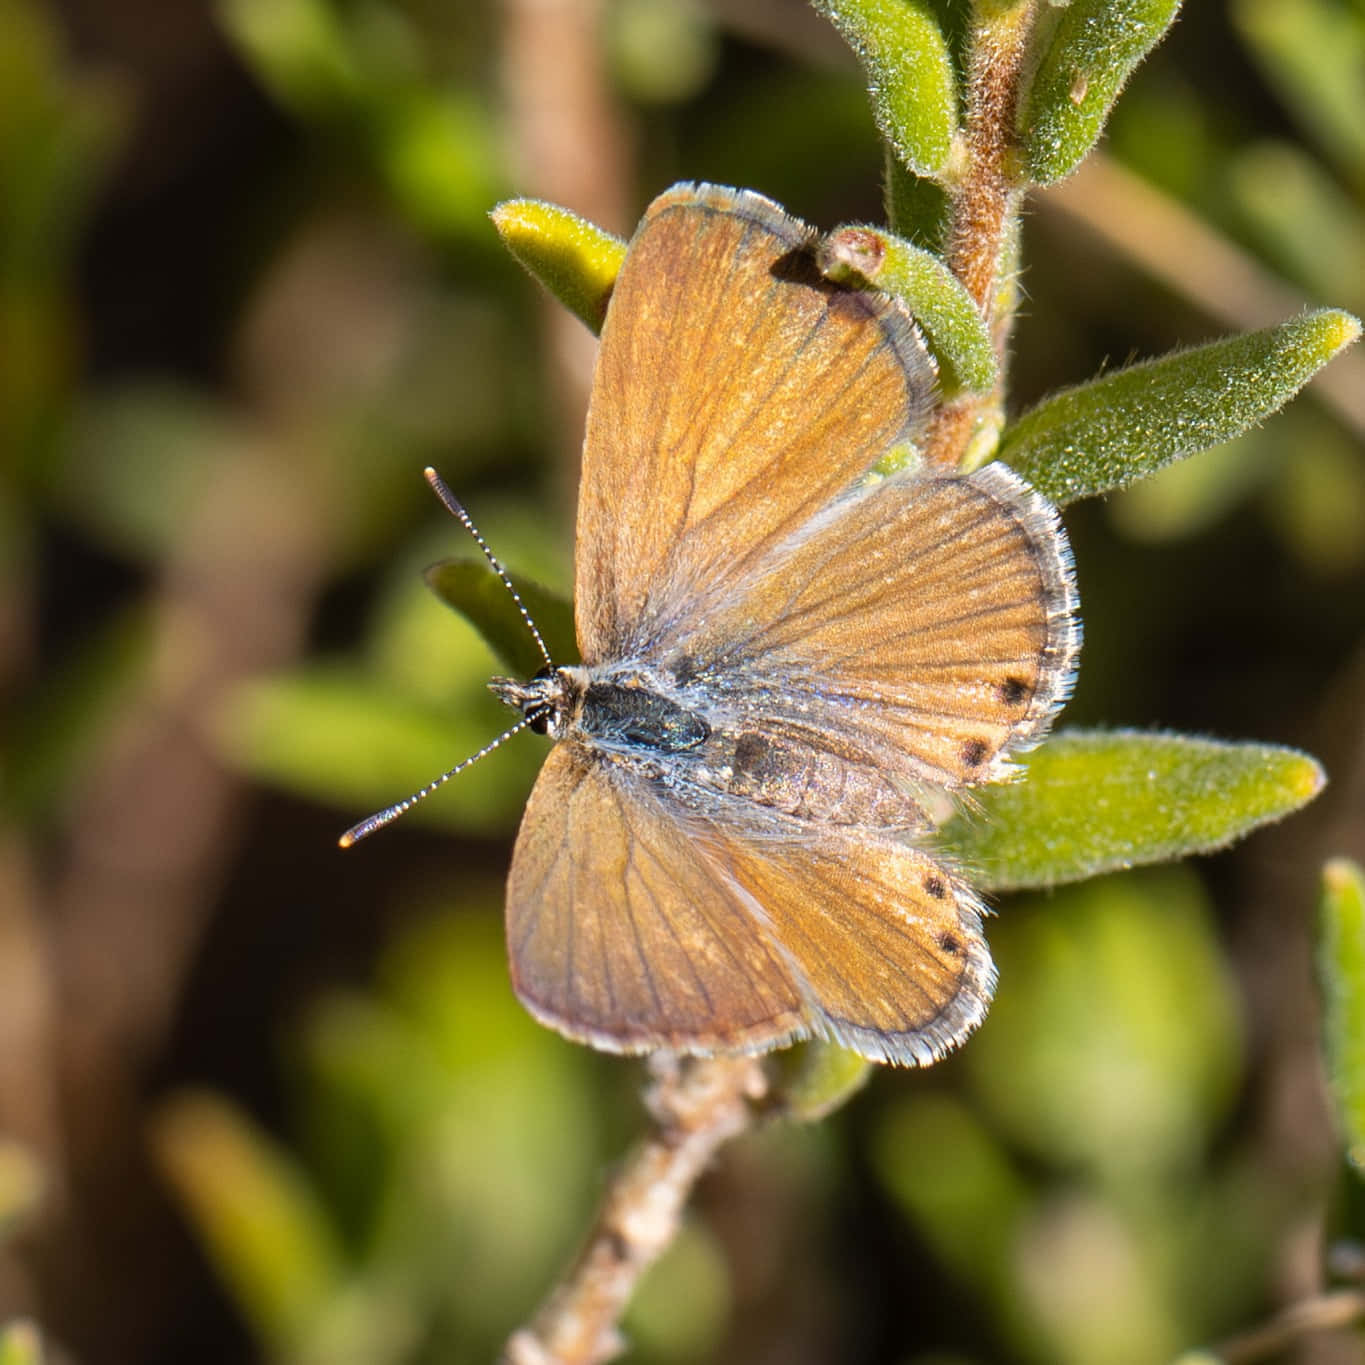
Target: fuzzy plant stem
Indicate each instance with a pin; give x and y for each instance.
(984, 202)
(696, 1106)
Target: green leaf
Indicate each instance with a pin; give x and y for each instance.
(1093, 801)
(574, 259)
(910, 75)
(1117, 429)
(662, 51)
(477, 593)
(956, 331)
(1089, 55)
(261, 1221)
(1341, 971)
(815, 1078)
(916, 207)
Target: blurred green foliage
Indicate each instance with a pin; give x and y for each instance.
(1341, 966)
(20, 1344)
(1091, 1181)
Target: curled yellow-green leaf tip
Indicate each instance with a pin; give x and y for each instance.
(1345, 332)
(1305, 778)
(955, 330)
(576, 260)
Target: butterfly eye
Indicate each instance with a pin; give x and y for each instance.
(539, 717)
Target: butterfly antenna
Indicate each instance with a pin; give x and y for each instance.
(453, 506)
(381, 818)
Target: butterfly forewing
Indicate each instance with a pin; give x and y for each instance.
(736, 393)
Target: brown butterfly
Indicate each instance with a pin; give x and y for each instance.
(789, 659)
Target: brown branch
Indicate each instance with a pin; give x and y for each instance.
(697, 1105)
(570, 143)
(983, 204)
(1323, 1313)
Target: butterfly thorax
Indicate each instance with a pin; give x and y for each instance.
(623, 713)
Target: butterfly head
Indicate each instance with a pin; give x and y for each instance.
(548, 701)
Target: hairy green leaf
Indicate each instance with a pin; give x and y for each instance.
(1093, 801)
(1120, 428)
(916, 207)
(574, 259)
(956, 331)
(1341, 971)
(1088, 56)
(477, 593)
(910, 75)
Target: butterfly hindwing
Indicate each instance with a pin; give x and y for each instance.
(924, 626)
(636, 924)
(619, 936)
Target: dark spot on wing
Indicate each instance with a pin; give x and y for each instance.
(935, 887)
(798, 266)
(850, 305)
(684, 667)
(757, 755)
(974, 752)
(950, 943)
(1013, 691)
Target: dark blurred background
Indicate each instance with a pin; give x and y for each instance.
(263, 1101)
